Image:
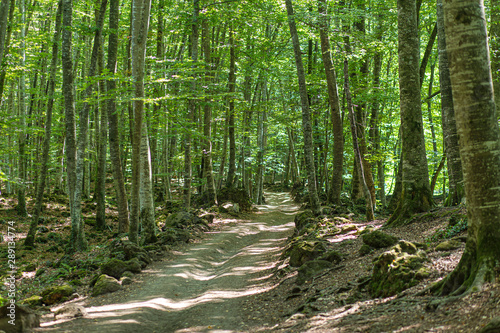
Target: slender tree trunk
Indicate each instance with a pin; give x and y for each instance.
(207, 119)
(4, 14)
(477, 125)
(146, 191)
(306, 114)
(140, 27)
(188, 171)
(232, 88)
(333, 99)
(30, 237)
(416, 195)
(494, 42)
(357, 151)
(450, 135)
(114, 134)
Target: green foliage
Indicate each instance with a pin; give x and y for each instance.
(449, 231)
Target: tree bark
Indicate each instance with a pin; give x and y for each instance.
(146, 191)
(114, 134)
(416, 195)
(450, 135)
(232, 88)
(306, 114)
(140, 27)
(333, 100)
(477, 125)
(30, 237)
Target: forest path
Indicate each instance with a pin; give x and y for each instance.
(202, 289)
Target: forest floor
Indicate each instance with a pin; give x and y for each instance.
(234, 279)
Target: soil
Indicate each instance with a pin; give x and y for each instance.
(234, 280)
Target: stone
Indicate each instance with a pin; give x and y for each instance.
(125, 280)
(398, 269)
(302, 219)
(306, 250)
(128, 274)
(379, 239)
(70, 311)
(365, 249)
(25, 318)
(348, 228)
(332, 256)
(34, 300)
(56, 294)
(105, 284)
(115, 267)
(448, 245)
(311, 269)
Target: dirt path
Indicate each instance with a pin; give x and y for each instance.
(202, 289)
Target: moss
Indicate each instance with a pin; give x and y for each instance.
(310, 269)
(379, 239)
(33, 300)
(56, 294)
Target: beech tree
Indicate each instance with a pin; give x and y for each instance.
(479, 139)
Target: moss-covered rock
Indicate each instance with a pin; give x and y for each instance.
(302, 219)
(379, 239)
(310, 269)
(174, 235)
(398, 269)
(365, 249)
(348, 228)
(332, 256)
(306, 250)
(33, 300)
(105, 284)
(236, 195)
(26, 319)
(56, 294)
(115, 267)
(448, 245)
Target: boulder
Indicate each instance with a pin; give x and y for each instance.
(302, 219)
(174, 235)
(231, 208)
(70, 311)
(448, 245)
(56, 294)
(115, 267)
(306, 250)
(311, 269)
(332, 256)
(398, 269)
(379, 239)
(125, 280)
(105, 284)
(24, 318)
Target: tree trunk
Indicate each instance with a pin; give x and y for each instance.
(140, 27)
(306, 114)
(146, 191)
(207, 119)
(416, 195)
(477, 126)
(357, 151)
(188, 171)
(450, 135)
(30, 237)
(4, 14)
(333, 100)
(232, 88)
(494, 42)
(114, 134)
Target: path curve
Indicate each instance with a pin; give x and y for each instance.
(202, 289)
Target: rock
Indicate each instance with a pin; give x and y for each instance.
(231, 208)
(128, 274)
(179, 220)
(25, 318)
(398, 269)
(125, 280)
(492, 327)
(365, 249)
(348, 228)
(306, 250)
(174, 235)
(302, 219)
(332, 256)
(115, 267)
(56, 294)
(105, 284)
(379, 239)
(311, 269)
(70, 311)
(448, 245)
(33, 300)
(237, 196)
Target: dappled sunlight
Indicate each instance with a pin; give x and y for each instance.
(233, 263)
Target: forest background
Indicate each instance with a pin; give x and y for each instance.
(205, 96)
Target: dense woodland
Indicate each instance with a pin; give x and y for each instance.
(344, 101)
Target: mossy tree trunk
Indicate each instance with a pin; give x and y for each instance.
(449, 125)
(306, 114)
(479, 140)
(416, 195)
